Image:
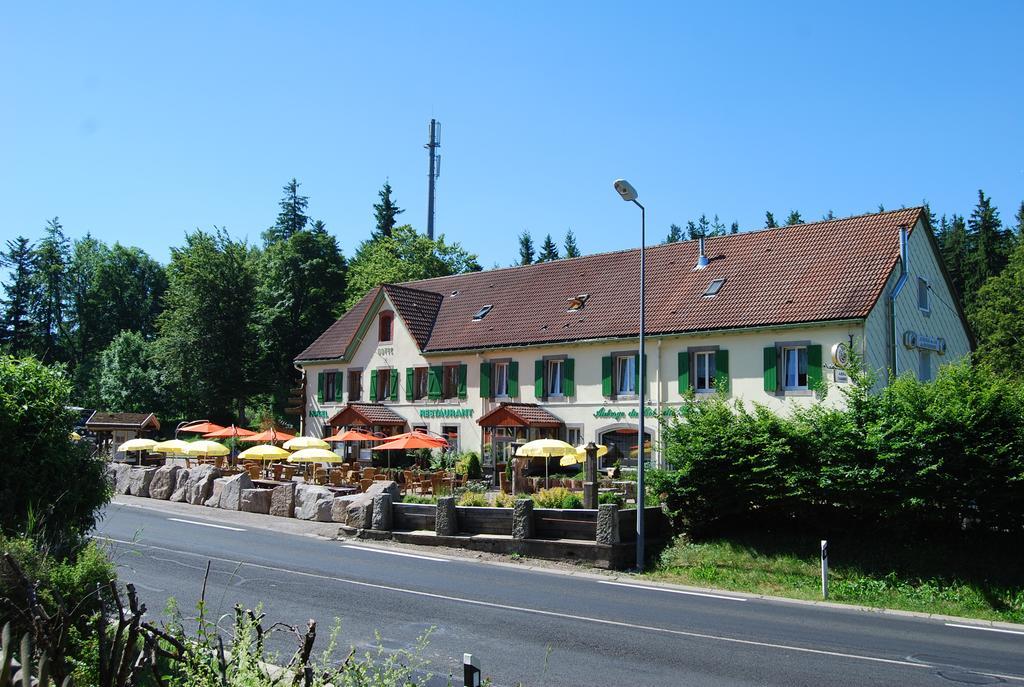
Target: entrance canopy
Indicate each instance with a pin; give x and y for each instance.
(520, 415)
(366, 415)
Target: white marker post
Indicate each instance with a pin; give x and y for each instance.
(470, 671)
(824, 568)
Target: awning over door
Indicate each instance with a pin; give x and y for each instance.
(519, 415)
(366, 415)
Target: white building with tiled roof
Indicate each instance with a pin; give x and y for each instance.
(503, 356)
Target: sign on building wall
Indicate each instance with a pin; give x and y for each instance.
(912, 340)
(446, 412)
(618, 415)
(318, 413)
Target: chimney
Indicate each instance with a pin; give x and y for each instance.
(702, 259)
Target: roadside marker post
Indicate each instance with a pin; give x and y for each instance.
(824, 568)
(470, 671)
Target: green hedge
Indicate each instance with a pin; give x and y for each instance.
(942, 456)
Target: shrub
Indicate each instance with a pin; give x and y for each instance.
(611, 497)
(416, 498)
(557, 497)
(49, 484)
(503, 500)
(474, 498)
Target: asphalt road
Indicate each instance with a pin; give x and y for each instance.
(540, 627)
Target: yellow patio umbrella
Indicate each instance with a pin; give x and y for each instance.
(263, 452)
(315, 455)
(305, 442)
(139, 445)
(175, 446)
(581, 455)
(205, 448)
(546, 448)
(75, 436)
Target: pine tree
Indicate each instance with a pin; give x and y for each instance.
(954, 252)
(50, 293)
(828, 216)
(385, 212)
(675, 234)
(1018, 237)
(16, 326)
(292, 217)
(703, 226)
(571, 249)
(717, 227)
(989, 243)
(691, 232)
(548, 250)
(525, 248)
(734, 228)
(769, 220)
(794, 218)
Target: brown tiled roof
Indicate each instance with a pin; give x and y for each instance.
(366, 414)
(101, 419)
(519, 415)
(417, 308)
(333, 342)
(824, 271)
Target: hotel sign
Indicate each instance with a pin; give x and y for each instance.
(446, 412)
(318, 413)
(924, 342)
(618, 415)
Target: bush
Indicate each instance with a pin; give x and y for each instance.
(474, 498)
(49, 485)
(557, 497)
(416, 498)
(611, 497)
(503, 500)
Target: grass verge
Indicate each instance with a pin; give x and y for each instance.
(976, 578)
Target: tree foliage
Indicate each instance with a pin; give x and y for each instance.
(16, 328)
(129, 377)
(675, 234)
(51, 278)
(292, 218)
(769, 220)
(571, 249)
(548, 250)
(385, 212)
(526, 250)
(794, 218)
(998, 318)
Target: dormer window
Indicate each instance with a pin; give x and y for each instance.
(713, 288)
(576, 303)
(385, 327)
(482, 313)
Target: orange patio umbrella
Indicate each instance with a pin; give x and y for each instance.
(355, 435)
(203, 427)
(229, 432)
(409, 441)
(268, 436)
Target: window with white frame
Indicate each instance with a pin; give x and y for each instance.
(704, 371)
(574, 435)
(554, 378)
(500, 373)
(923, 301)
(625, 375)
(794, 368)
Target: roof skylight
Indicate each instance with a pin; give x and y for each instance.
(714, 287)
(577, 302)
(482, 313)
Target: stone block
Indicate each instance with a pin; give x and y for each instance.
(282, 500)
(164, 481)
(218, 489)
(446, 523)
(200, 484)
(121, 475)
(381, 517)
(231, 493)
(255, 500)
(138, 483)
(608, 524)
(313, 503)
(180, 486)
(385, 486)
(522, 519)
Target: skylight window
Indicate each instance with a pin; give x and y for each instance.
(713, 288)
(576, 303)
(482, 313)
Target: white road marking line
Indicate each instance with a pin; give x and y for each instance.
(553, 614)
(207, 524)
(394, 553)
(986, 629)
(673, 591)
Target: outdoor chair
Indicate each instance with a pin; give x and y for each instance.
(255, 472)
(503, 482)
(278, 469)
(368, 473)
(408, 481)
(364, 484)
(380, 477)
(320, 476)
(337, 478)
(289, 473)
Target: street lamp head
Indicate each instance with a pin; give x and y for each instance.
(625, 189)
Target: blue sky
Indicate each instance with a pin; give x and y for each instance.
(141, 121)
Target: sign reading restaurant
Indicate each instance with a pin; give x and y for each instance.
(446, 412)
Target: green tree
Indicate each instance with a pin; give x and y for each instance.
(548, 250)
(292, 217)
(769, 220)
(675, 234)
(952, 239)
(571, 249)
(734, 228)
(129, 378)
(207, 344)
(50, 486)
(525, 248)
(403, 256)
(1018, 236)
(717, 227)
(703, 227)
(828, 216)
(51, 277)
(83, 351)
(385, 212)
(989, 244)
(998, 319)
(794, 218)
(300, 279)
(16, 328)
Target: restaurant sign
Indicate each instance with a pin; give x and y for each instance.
(446, 412)
(618, 415)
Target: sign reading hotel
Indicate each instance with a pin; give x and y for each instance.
(446, 412)
(318, 413)
(618, 415)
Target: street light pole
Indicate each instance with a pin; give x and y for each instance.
(628, 193)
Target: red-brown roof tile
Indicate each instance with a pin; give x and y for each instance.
(519, 415)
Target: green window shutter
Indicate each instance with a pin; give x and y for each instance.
(463, 373)
(606, 376)
(485, 380)
(538, 378)
(319, 387)
(722, 370)
(339, 380)
(394, 384)
(636, 373)
(409, 383)
(814, 367)
(434, 382)
(771, 378)
(513, 378)
(373, 386)
(684, 372)
(569, 382)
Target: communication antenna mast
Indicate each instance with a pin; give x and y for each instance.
(435, 171)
